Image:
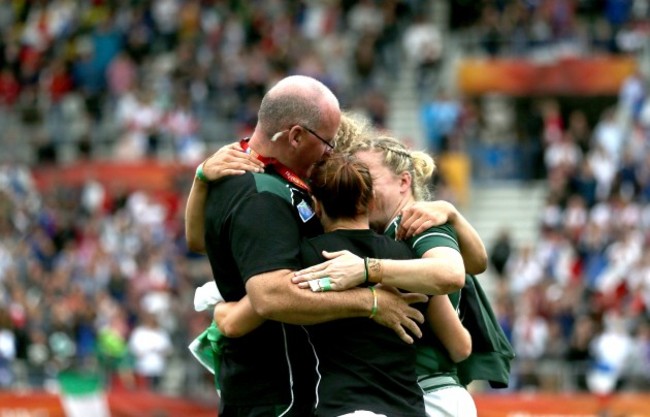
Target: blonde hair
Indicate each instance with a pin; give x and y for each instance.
(398, 158)
(353, 128)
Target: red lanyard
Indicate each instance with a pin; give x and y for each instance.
(282, 169)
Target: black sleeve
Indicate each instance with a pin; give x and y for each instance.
(264, 236)
(309, 254)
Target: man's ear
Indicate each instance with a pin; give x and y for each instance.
(295, 136)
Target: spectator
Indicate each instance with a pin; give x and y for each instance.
(183, 127)
(579, 349)
(423, 45)
(530, 336)
(9, 87)
(140, 118)
(440, 118)
(641, 356)
(7, 349)
(523, 270)
(612, 350)
(500, 254)
(151, 346)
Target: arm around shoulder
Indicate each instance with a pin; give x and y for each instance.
(473, 250)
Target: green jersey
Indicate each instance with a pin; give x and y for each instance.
(432, 356)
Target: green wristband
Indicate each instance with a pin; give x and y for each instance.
(200, 175)
(365, 269)
(375, 304)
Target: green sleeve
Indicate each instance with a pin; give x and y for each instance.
(434, 237)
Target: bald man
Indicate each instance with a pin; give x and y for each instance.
(252, 226)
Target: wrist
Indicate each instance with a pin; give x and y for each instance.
(452, 213)
(374, 270)
(200, 175)
(375, 303)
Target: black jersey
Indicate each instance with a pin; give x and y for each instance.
(254, 223)
(362, 365)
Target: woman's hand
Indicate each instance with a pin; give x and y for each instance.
(230, 160)
(344, 269)
(423, 215)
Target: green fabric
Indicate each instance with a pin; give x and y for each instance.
(79, 384)
(206, 348)
(434, 237)
(272, 184)
(432, 356)
(491, 351)
(111, 343)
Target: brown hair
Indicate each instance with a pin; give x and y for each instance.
(343, 185)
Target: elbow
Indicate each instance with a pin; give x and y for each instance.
(478, 264)
(455, 281)
(226, 327)
(462, 353)
(264, 308)
(195, 245)
(463, 350)
(269, 296)
(265, 305)
(230, 330)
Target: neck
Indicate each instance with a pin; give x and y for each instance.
(358, 223)
(263, 146)
(404, 202)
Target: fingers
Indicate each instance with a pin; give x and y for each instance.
(403, 334)
(412, 326)
(414, 227)
(404, 224)
(234, 145)
(389, 288)
(333, 255)
(415, 315)
(311, 270)
(229, 160)
(421, 228)
(411, 298)
(321, 285)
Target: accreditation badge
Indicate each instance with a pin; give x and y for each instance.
(305, 211)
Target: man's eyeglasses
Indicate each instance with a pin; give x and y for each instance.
(330, 146)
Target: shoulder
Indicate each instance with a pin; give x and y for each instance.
(271, 184)
(437, 236)
(250, 186)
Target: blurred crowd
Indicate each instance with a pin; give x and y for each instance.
(101, 280)
(580, 295)
(131, 79)
(560, 27)
(92, 282)
(98, 279)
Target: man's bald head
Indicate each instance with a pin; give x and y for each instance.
(298, 99)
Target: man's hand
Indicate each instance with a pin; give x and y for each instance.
(423, 215)
(230, 160)
(344, 269)
(394, 311)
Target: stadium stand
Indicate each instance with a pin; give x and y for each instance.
(84, 261)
